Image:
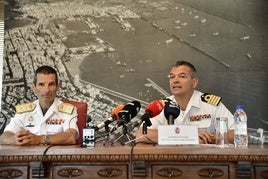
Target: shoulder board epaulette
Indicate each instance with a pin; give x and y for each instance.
(66, 108)
(25, 107)
(211, 99)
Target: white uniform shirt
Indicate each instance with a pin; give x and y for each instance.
(53, 122)
(197, 113)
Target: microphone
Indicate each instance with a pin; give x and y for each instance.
(171, 112)
(153, 109)
(114, 117)
(129, 111)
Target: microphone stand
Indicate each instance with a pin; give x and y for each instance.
(144, 132)
(171, 120)
(107, 135)
(124, 133)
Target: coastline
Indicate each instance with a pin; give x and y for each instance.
(73, 66)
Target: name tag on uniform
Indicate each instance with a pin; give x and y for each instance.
(177, 135)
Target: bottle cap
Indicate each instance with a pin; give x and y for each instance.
(239, 106)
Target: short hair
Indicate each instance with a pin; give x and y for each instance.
(185, 63)
(45, 70)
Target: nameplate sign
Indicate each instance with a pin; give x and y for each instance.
(177, 135)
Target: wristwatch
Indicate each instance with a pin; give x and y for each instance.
(47, 140)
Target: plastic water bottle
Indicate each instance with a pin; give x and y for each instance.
(240, 128)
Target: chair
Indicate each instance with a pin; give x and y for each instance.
(82, 116)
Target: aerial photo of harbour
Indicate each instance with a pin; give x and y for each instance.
(112, 52)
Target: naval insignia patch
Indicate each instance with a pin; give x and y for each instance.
(66, 108)
(25, 107)
(211, 99)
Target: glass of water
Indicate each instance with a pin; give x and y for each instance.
(221, 132)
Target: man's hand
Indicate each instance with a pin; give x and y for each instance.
(8, 138)
(68, 137)
(25, 137)
(206, 137)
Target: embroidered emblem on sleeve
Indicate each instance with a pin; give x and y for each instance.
(25, 107)
(66, 108)
(211, 99)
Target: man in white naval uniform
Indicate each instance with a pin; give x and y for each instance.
(196, 108)
(45, 121)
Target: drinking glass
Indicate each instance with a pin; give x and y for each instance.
(221, 128)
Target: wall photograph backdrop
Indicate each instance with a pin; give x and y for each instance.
(113, 52)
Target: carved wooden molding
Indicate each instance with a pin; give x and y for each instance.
(20, 158)
(10, 173)
(136, 157)
(210, 172)
(169, 172)
(264, 174)
(142, 157)
(199, 158)
(69, 172)
(64, 158)
(109, 172)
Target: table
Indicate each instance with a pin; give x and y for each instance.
(140, 161)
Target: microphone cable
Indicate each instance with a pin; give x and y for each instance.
(105, 137)
(131, 161)
(42, 158)
(48, 147)
(144, 135)
(150, 141)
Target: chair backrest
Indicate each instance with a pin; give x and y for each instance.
(82, 116)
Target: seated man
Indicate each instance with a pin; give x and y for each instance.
(45, 121)
(194, 109)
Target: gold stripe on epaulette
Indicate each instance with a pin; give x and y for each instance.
(66, 108)
(211, 99)
(26, 107)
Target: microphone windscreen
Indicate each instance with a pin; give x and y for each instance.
(129, 111)
(171, 110)
(155, 107)
(116, 110)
